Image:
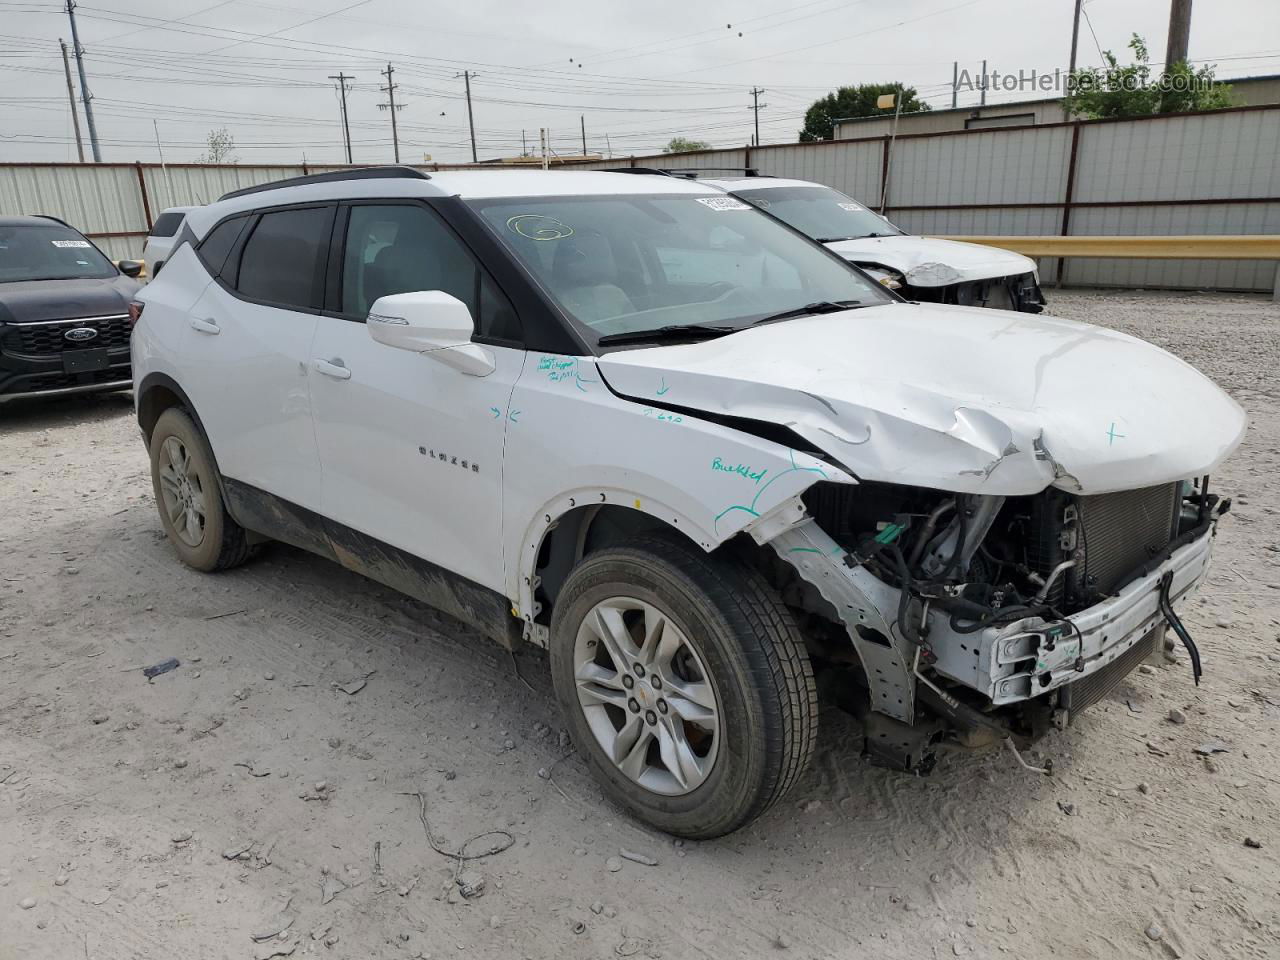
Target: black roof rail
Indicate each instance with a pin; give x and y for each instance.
(653, 171)
(688, 173)
(50, 216)
(745, 171)
(364, 173)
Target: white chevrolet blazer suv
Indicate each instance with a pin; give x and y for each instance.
(706, 463)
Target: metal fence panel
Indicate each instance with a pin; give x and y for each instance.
(189, 186)
(1021, 165)
(92, 198)
(994, 182)
(852, 168)
(1211, 155)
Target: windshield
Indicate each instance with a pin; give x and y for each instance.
(629, 264)
(49, 252)
(820, 212)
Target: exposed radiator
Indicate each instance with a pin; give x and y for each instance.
(1085, 693)
(1122, 531)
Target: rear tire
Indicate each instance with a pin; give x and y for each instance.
(711, 715)
(188, 494)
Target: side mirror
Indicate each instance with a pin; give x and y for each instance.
(130, 268)
(430, 322)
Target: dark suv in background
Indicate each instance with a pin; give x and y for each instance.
(64, 311)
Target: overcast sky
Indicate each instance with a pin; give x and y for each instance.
(640, 73)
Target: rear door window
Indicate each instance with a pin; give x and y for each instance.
(283, 259)
(214, 248)
(167, 224)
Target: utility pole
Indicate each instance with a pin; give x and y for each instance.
(982, 102)
(1075, 38)
(342, 79)
(755, 108)
(955, 82)
(160, 150)
(71, 98)
(85, 95)
(1179, 33)
(466, 77)
(582, 119)
(524, 144)
(390, 91)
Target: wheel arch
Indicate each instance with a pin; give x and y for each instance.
(581, 523)
(157, 393)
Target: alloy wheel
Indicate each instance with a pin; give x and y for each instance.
(647, 696)
(182, 490)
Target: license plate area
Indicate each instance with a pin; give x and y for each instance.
(85, 361)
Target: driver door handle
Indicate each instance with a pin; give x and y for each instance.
(205, 326)
(332, 368)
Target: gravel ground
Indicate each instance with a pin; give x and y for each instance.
(260, 790)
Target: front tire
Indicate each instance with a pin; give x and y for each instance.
(189, 496)
(686, 684)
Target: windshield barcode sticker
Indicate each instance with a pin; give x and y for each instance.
(854, 207)
(70, 243)
(722, 203)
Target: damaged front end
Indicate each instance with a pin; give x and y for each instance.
(978, 618)
(938, 283)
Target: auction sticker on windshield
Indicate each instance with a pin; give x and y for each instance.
(70, 243)
(722, 203)
(854, 207)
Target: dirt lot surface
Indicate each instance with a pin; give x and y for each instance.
(269, 786)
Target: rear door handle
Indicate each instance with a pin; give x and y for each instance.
(205, 326)
(332, 368)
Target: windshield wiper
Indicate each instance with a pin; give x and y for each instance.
(818, 306)
(672, 331)
(833, 239)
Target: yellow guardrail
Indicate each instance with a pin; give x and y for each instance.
(1194, 247)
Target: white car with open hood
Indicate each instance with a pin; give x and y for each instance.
(920, 268)
(696, 456)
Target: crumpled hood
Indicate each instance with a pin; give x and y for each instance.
(956, 398)
(30, 301)
(972, 261)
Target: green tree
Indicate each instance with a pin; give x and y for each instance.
(685, 145)
(1133, 91)
(859, 101)
(222, 148)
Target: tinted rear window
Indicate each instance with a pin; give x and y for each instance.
(281, 260)
(167, 224)
(215, 247)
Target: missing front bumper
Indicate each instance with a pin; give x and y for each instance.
(1029, 658)
(1007, 665)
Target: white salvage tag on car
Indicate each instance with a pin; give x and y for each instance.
(70, 243)
(855, 207)
(722, 203)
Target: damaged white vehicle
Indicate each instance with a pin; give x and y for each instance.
(702, 460)
(927, 269)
